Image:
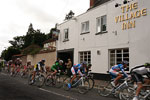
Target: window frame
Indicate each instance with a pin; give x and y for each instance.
(85, 27)
(85, 55)
(66, 38)
(118, 55)
(99, 25)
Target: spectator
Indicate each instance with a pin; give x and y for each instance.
(69, 65)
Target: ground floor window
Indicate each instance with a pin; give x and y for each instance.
(118, 55)
(85, 56)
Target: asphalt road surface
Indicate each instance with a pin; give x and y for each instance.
(17, 89)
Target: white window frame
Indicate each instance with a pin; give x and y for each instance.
(100, 24)
(85, 56)
(85, 27)
(116, 54)
(66, 34)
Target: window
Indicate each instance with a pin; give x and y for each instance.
(85, 56)
(101, 24)
(85, 27)
(66, 34)
(118, 55)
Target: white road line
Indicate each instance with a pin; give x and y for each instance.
(3, 74)
(58, 94)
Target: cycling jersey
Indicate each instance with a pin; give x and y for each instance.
(138, 72)
(56, 66)
(76, 69)
(116, 68)
(39, 66)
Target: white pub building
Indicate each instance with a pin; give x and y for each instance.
(107, 33)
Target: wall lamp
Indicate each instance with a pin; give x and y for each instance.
(124, 2)
(117, 5)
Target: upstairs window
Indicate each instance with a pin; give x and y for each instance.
(66, 34)
(85, 27)
(101, 24)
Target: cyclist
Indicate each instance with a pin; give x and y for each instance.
(76, 70)
(40, 66)
(137, 75)
(57, 66)
(115, 72)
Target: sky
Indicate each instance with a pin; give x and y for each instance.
(16, 15)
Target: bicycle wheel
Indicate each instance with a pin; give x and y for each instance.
(65, 84)
(40, 81)
(127, 94)
(59, 81)
(30, 79)
(105, 89)
(84, 88)
(49, 80)
(91, 82)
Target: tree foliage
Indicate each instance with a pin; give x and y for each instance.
(8, 53)
(19, 43)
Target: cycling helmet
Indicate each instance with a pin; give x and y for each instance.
(125, 62)
(147, 64)
(84, 63)
(43, 60)
(89, 64)
(60, 61)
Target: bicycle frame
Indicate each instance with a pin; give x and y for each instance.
(122, 86)
(80, 80)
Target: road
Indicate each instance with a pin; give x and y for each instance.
(17, 89)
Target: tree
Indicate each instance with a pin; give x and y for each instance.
(17, 42)
(8, 53)
(30, 29)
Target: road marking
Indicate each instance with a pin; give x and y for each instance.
(58, 94)
(3, 74)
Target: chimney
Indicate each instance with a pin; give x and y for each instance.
(92, 2)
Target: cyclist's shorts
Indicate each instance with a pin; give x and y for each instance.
(137, 77)
(113, 73)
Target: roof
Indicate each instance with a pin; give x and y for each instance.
(99, 2)
(49, 40)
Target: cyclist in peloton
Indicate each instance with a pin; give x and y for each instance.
(137, 74)
(57, 66)
(40, 66)
(115, 72)
(76, 70)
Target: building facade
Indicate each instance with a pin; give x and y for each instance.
(106, 34)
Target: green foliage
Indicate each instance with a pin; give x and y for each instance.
(20, 43)
(7, 54)
(32, 49)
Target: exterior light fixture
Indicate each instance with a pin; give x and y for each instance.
(125, 1)
(117, 5)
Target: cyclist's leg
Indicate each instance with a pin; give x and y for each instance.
(139, 80)
(74, 75)
(119, 76)
(34, 72)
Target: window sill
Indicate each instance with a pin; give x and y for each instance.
(65, 40)
(84, 33)
(101, 32)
